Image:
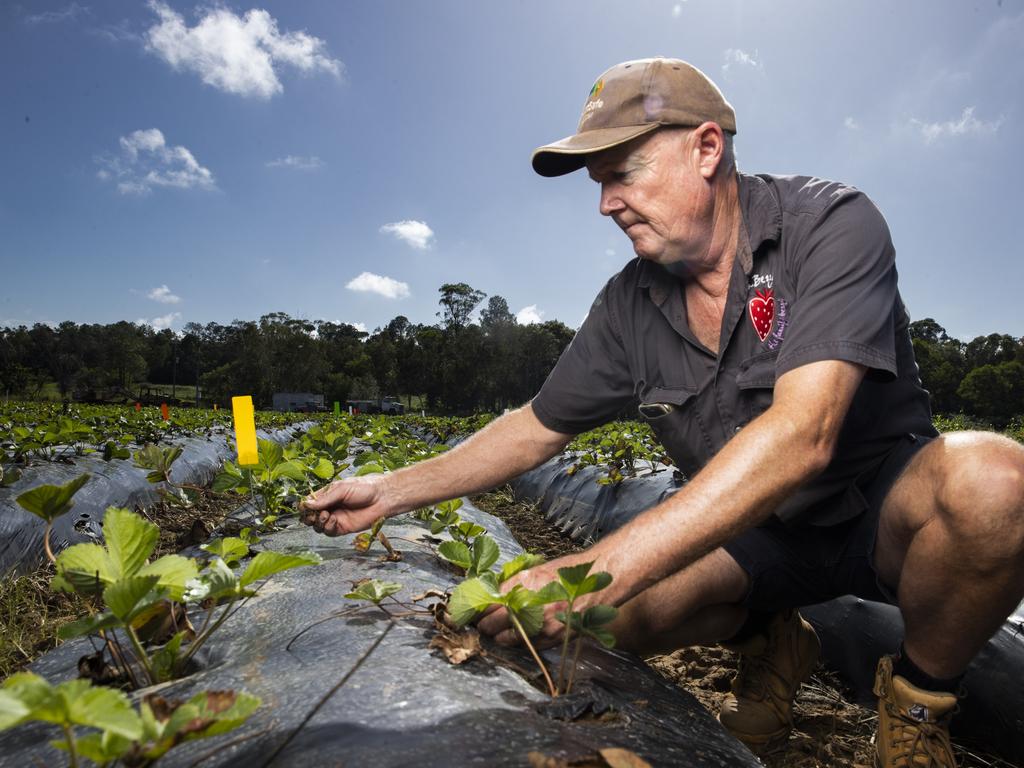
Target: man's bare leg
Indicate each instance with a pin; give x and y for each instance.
(951, 542)
(698, 605)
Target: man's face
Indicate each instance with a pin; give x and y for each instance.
(653, 190)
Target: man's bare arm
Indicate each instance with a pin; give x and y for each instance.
(506, 447)
(741, 486)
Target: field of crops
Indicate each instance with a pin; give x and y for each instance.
(136, 617)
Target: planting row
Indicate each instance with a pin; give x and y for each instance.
(32, 432)
(147, 613)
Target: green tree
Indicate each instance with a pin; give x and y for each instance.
(458, 300)
(995, 392)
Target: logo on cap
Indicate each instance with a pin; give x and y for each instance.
(596, 90)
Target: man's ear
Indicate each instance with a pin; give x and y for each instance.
(710, 142)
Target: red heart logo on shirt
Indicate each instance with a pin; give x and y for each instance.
(762, 312)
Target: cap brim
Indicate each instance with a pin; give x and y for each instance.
(570, 154)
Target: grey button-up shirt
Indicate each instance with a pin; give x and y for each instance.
(814, 279)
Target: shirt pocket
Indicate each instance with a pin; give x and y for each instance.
(755, 381)
(673, 415)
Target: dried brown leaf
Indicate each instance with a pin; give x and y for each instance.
(460, 647)
(436, 593)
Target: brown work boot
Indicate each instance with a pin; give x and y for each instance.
(913, 724)
(759, 709)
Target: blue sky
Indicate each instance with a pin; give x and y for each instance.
(178, 162)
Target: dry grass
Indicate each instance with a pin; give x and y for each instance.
(30, 614)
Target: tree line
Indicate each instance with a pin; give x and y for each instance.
(456, 365)
(983, 378)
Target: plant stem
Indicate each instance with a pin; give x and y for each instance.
(575, 662)
(46, 541)
(140, 652)
(533, 652)
(118, 656)
(69, 734)
(565, 645)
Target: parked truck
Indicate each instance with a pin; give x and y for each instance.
(301, 402)
(387, 404)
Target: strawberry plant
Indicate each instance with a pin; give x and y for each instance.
(144, 600)
(50, 502)
(525, 610)
(136, 738)
(526, 607)
(574, 582)
(269, 482)
(373, 591)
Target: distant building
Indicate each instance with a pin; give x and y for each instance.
(303, 402)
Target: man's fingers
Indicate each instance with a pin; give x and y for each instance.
(494, 620)
(507, 637)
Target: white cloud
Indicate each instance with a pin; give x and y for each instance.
(146, 161)
(850, 124)
(609, 252)
(361, 327)
(736, 58)
(237, 54)
(70, 13)
(415, 233)
(530, 315)
(387, 287)
(968, 124)
(677, 10)
(310, 163)
(163, 295)
(159, 323)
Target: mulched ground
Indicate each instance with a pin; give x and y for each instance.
(830, 731)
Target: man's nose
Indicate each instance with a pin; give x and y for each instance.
(610, 201)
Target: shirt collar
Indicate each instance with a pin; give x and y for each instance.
(762, 222)
(761, 213)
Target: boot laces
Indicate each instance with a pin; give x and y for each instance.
(753, 678)
(915, 739)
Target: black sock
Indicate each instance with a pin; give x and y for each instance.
(913, 674)
(756, 624)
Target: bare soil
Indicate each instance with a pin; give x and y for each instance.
(830, 730)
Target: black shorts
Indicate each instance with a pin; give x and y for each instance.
(799, 564)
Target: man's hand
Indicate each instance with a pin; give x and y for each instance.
(347, 506)
(496, 621)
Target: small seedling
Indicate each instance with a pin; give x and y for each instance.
(137, 738)
(364, 540)
(141, 596)
(373, 590)
(158, 463)
(525, 610)
(574, 582)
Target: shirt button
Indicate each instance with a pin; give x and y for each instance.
(737, 429)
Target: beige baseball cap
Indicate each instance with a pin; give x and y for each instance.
(631, 99)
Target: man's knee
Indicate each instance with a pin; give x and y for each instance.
(980, 493)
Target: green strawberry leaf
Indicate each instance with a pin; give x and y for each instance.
(51, 501)
(268, 563)
(130, 539)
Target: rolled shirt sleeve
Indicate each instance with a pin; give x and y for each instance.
(591, 381)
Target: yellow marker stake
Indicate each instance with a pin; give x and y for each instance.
(245, 430)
